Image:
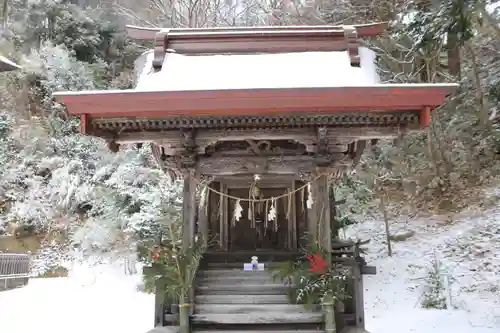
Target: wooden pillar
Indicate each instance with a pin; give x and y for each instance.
(359, 304)
(213, 214)
(312, 217)
(159, 302)
(323, 213)
(292, 223)
(203, 215)
(189, 208)
(223, 211)
(319, 214)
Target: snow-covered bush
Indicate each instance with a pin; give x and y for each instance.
(433, 296)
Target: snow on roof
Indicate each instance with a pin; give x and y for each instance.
(7, 65)
(251, 71)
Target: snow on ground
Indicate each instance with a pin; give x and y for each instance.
(468, 248)
(102, 299)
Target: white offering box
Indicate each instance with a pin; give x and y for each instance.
(253, 265)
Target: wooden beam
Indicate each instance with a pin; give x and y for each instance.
(264, 165)
(145, 33)
(265, 179)
(344, 135)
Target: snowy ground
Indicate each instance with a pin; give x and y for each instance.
(98, 300)
(102, 299)
(468, 248)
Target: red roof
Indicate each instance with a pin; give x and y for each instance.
(345, 83)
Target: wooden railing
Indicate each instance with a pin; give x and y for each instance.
(350, 311)
(14, 270)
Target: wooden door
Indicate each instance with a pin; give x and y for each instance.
(242, 236)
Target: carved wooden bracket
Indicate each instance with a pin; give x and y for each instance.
(113, 146)
(351, 37)
(189, 155)
(260, 147)
(161, 39)
(322, 151)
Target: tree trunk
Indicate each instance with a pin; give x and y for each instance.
(383, 208)
(453, 49)
(482, 103)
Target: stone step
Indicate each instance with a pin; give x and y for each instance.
(242, 299)
(258, 318)
(246, 288)
(246, 308)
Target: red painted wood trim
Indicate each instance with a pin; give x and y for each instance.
(84, 122)
(425, 116)
(254, 101)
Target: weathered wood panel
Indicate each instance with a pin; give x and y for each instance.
(258, 318)
(242, 299)
(291, 165)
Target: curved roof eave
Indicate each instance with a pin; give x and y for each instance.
(7, 65)
(161, 104)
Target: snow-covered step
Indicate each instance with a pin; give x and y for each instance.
(244, 288)
(247, 308)
(242, 299)
(258, 318)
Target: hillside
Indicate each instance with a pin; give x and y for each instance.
(466, 245)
